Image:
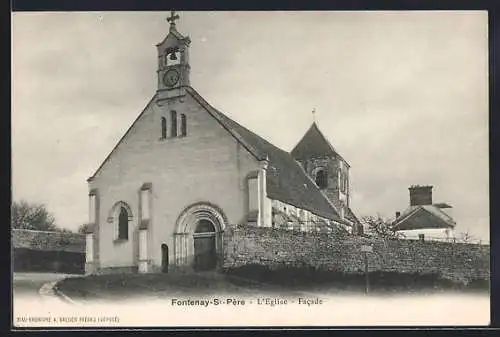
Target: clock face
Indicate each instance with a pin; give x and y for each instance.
(171, 78)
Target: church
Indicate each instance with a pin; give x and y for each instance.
(184, 171)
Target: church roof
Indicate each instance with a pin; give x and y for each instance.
(286, 180)
(314, 144)
(422, 217)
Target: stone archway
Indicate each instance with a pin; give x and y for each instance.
(203, 224)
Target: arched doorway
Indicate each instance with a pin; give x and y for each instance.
(164, 258)
(205, 253)
(198, 239)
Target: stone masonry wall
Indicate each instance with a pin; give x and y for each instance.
(55, 252)
(325, 251)
(48, 241)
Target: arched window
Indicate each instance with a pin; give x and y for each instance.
(183, 125)
(321, 179)
(163, 128)
(173, 120)
(123, 224)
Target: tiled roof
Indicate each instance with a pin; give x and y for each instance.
(436, 211)
(423, 216)
(314, 144)
(286, 180)
(48, 241)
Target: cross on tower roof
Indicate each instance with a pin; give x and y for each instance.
(172, 18)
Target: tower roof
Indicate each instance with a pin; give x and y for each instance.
(314, 144)
(172, 31)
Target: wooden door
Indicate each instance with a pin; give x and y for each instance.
(205, 253)
(164, 258)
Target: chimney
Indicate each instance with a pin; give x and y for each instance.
(420, 195)
(398, 214)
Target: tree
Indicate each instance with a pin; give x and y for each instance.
(466, 237)
(64, 230)
(83, 228)
(32, 216)
(380, 227)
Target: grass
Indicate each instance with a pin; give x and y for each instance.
(304, 278)
(256, 279)
(119, 286)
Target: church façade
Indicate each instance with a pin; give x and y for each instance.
(184, 171)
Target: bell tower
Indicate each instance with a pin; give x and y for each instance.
(325, 166)
(173, 62)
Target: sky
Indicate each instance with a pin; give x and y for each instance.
(402, 96)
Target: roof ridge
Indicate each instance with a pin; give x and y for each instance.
(437, 209)
(239, 124)
(219, 116)
(311, 137)
(325, 138)
(449, 220)
(256, 134)
(303, 136)
(406, 216)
